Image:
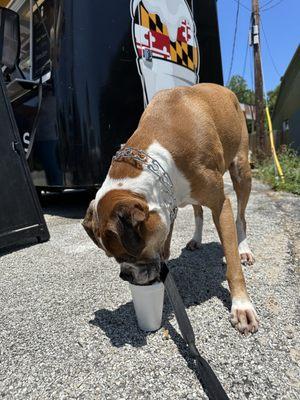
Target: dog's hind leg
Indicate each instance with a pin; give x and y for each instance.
(240, 173)
(196, 241)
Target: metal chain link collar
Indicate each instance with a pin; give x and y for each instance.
(155, 167)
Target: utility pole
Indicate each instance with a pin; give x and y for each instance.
(259, 96)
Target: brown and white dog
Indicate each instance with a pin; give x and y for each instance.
(196, 134)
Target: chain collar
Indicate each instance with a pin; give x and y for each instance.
(155, 167)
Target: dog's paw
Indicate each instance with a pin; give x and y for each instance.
(193, 245)
(243, 316)
(247, 258)
(246, 254)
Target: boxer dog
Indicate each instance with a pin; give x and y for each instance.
(187, 138)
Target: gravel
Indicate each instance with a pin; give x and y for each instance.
(68, 329)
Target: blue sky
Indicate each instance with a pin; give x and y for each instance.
(282, 27)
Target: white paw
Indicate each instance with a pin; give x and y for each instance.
(243, 316)
(246, 254)
(247, 258)
(193, 245)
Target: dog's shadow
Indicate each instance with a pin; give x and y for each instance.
(198, 275)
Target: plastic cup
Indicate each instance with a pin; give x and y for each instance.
(148, 303)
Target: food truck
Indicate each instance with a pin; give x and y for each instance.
(87, 69)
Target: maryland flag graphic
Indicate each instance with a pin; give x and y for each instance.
(164, 36)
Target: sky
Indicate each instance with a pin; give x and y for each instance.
(282, 29)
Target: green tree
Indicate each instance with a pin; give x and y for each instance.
(239, 86)
(272, 98)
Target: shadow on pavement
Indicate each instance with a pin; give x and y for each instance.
(67, 204)
(198, 275)
(22, 244)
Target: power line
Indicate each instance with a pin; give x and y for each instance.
(267, 2)
(247, 48)
(243, 5)
(274, 5)
(245, 60)
(269, 51)
(234, 40)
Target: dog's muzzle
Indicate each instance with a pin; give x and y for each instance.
(140, 274)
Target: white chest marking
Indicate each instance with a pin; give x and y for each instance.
(147, 183)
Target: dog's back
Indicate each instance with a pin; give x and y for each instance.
(203, 123)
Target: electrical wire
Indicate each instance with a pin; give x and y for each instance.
(243, 5)
(234, 40)
(247, 49)
(268, 48)
(251, 67)
(269, 8)
(244, 70)
(245, 61)
(266, 3)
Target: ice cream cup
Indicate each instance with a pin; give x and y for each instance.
(148, 304)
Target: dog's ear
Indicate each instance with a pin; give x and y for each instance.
(125, 226)
(87, 223)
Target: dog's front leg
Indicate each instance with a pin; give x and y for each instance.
(243, 315)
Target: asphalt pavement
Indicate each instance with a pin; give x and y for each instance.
(68, 328)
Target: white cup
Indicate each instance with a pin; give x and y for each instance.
(148, 303)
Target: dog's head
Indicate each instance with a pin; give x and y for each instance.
(121, 224)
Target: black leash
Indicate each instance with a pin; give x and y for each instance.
(208, 379)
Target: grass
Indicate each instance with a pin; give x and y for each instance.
(290, 164)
